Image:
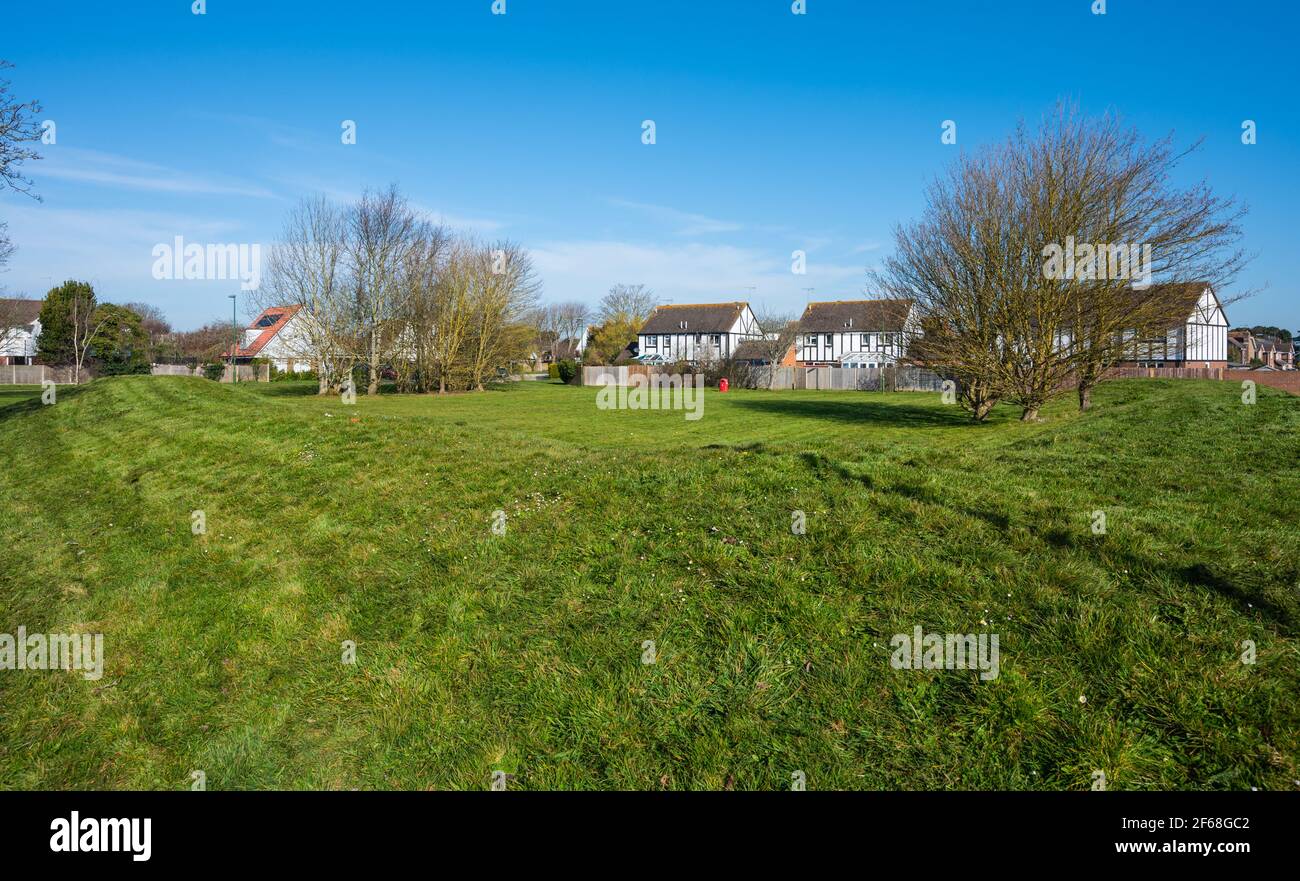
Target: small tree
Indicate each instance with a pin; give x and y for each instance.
(121, 344)
(780, 329)
(68, 326)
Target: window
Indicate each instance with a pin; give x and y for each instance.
(715, 340)
(828, 341)
(651, 342)
(668, 341)
(268, 320)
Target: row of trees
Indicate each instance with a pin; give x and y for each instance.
(977, 264)
(380, 287)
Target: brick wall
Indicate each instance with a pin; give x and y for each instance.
(1286, 380)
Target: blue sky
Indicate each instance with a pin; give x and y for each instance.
(775, 132)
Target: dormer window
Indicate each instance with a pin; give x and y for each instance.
(849, 323)
(682, 325)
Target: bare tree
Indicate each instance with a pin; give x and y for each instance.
(87, 321)
(203, 344)
(504, 288)
(571, 319)
(546, 319)
(152, 320)
(418, 361)
(627, 305)
(382, 232)
(779, 330)
(451, 311)
(306, 268)
(1098, 183)
(949, 265)
(998, 314)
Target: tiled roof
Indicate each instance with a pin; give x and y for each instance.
(699, 318)
(279, 316)
(23, 312)
(867, 316)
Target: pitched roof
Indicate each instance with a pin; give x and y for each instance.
(1171, 301)
(699, 318)
(865, 315)
(752, 350)
(270, 322)
(23, 312)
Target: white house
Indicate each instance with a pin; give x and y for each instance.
(855, 333)
(20, 325)
(277, 334)
(1196, 337)
(704, 331)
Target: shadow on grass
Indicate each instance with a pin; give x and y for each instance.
(1249, 599)
(897, 414)
(21, 400)
(287, 389)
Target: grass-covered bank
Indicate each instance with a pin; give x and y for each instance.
(523, 652)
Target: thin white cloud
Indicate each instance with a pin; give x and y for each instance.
(94, 167)
(686, 223)
(113, 249)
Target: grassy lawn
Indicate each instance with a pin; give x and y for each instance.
(522, 652)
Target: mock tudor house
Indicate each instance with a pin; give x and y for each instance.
(855, 333)
(277, 335)
(18, 340)
(1197, 335)
(705, 331)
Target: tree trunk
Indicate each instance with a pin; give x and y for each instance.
(1085, 396)
(1030, 414)
(373, 387)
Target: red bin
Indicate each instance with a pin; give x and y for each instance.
(722, 384)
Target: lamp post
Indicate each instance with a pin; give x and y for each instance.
(234, 340)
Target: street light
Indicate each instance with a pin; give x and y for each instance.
(234, 340)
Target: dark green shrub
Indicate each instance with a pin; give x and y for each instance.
(214, 371)
(566, 371)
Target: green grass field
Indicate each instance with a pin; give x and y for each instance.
(522, 652)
